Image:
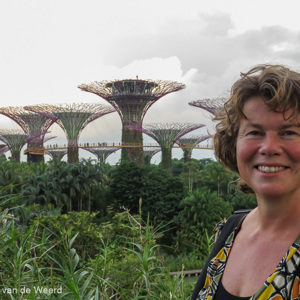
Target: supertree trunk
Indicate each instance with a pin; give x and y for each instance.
(15, 156)
(73, 153)
(134, 154)
(37, 143)
(187, 154)
(166, 158)
(35, 158)
(147, 160)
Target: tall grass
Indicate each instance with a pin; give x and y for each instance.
(34, 266)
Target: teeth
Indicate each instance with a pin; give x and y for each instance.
(266, 169)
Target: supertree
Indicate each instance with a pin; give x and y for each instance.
(149, 152)
(132, 98)
(102, 153)
(187, 143)
(210, 105)
(56, 154)
(166, 135)
(72, 118)
(14, 139)
(33, 124)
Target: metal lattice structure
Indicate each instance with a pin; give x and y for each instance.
(72, 118)
(56, 155)
(132, 98)
(210, 105)
(48, 138)
(188, 143)
(102, 153)
(149, 153)
(166, 135)
(33, 124)
(14, 139)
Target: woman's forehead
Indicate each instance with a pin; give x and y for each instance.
(259, 103)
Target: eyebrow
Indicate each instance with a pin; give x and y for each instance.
(290, 125)
(285, 126)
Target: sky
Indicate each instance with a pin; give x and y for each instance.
(48, 48)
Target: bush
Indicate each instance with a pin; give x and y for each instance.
(160, 192)
(201, 211)
(88, 241)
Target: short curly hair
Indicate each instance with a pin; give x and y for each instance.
(278, 86)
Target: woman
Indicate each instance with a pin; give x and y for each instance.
(258, 136)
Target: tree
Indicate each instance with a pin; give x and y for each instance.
(243, 201)
(65, 185)
(160, 192)
(192, 174)
(216, 178)
(200, 211)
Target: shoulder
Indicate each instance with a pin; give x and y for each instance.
(229, 224)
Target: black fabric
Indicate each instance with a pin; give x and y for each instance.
(222, 294)
(229, 226)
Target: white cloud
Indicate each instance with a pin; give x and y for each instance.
(48, 48)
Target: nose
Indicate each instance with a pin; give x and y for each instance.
(270, 145)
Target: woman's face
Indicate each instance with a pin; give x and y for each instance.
(268, 151)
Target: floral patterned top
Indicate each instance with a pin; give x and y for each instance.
(282, 284)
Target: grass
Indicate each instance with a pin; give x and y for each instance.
(34, 266)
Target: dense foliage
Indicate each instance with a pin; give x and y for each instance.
(160, 192)
(109, 232)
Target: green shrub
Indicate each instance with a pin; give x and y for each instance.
(201, 211)
(89, 233)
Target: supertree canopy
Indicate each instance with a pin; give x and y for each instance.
(33, 124)
(14, 139)
(187, 143)
(166, 135)
(72, 118)
(56, 154)
(102, 153)
(210, 105)
(149, 152)
(132, 98)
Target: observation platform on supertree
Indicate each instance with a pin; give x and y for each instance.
(132, 98)
(211, 105)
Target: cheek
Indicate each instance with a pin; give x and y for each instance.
(294, 152)
(244, 153)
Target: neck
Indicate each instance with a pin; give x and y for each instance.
(273, 213)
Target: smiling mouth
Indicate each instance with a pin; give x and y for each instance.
(267, 169)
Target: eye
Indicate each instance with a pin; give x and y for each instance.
(255, 133)
(288, 132)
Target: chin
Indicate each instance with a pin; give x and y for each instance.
(274, 192)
